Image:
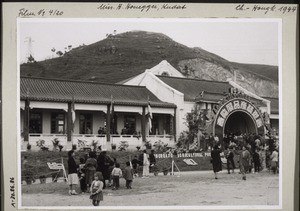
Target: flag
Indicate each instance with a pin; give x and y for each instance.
(112, 113)
(149, 110)
(73, 113)
(111, 105)
(150, 123)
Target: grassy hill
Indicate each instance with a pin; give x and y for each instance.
(125, 55)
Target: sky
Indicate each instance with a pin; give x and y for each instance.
(254, 41)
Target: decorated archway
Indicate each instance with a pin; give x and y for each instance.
(237, 114)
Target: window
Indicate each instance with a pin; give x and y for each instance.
(167, 124)
(129, 125)
(58, 123)
(85, 123)
(162, 123)
(165, 73)
(155, 125)
(35, 122)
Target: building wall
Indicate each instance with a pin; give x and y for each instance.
(163, 92)
(46, 119)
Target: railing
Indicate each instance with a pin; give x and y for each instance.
(47, 140)
(89, 140)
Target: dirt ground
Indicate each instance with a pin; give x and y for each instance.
(183, 189)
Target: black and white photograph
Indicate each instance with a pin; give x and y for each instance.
(164, 112)
(139, 106)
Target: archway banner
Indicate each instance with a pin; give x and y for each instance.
(232, 104)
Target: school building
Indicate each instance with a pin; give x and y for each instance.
(148, 107)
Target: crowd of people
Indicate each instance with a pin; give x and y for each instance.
(94, 171)
(255, 153)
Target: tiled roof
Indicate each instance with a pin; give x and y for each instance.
(209, 97)
(191, 88)
(87, 92)
(274, 104)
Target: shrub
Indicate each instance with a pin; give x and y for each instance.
(123, 146)
(148, 145)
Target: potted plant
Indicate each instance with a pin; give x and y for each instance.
(155, 169)
(123, 146)
(148, 145)
(41, 144)
(28, 146)
(42, 179)
(60, 147)
(74, 147)
(55, 143)
(94, 144)
(113, 146)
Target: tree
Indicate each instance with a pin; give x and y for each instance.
(30, 59)
(59, 53)
(195, 120)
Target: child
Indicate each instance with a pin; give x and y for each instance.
(128, 175)
(81, 174)
(116, 174)
(96, 189)
(135, 163)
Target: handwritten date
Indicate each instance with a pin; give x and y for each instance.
(266, 9)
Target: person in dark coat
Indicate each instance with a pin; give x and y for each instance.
(230, 161)
(256, 160)
(152, 159)
(135, 163)
(90, 168)
(103, 163)
(72, 173)
(216, 160)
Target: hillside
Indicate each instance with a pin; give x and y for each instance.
(125, 55)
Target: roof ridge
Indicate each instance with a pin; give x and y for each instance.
(269, 97)
(79, 81)
(194, 79)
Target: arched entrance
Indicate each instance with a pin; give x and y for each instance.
(239, 122)
(237, 115)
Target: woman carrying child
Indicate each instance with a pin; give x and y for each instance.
(96, 189)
